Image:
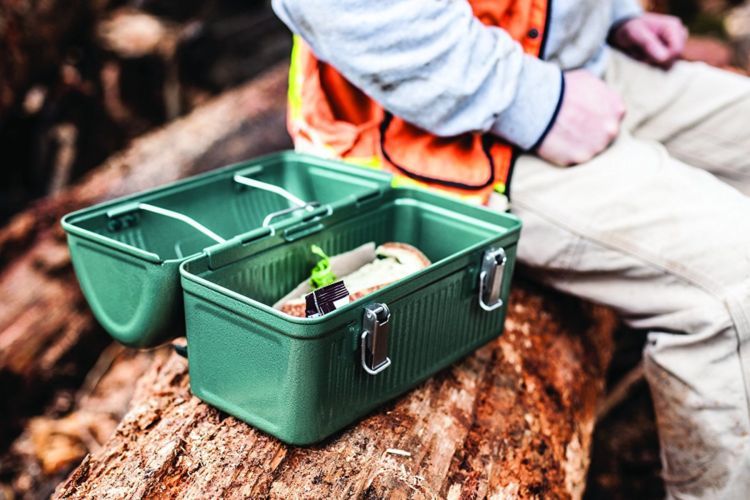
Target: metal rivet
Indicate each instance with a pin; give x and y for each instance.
(533, 33)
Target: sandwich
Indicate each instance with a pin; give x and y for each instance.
(363, 270)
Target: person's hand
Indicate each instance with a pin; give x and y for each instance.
(588, 121)
(657, 39)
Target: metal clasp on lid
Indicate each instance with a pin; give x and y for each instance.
(375, 330)
(491, 279)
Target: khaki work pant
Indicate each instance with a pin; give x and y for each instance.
(658, 228)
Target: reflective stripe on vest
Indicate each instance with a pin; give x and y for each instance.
(329, 117)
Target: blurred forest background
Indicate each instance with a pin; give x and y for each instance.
(81, 79)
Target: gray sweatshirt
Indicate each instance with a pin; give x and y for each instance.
(432, 63)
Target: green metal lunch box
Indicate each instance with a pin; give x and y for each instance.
(126, 252)
(239, 248)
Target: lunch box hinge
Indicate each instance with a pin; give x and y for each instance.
(236, 248)
(376, 327)
(491, 279)
(311, 223)
(368, 197)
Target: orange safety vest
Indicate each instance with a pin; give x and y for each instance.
(330, 117)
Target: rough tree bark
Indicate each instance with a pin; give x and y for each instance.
(514, 420)
(53, 444)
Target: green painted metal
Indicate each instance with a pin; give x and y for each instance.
(300, 379)
(126, 259)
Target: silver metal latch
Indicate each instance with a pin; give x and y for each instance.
(375, 329)
(491, 279)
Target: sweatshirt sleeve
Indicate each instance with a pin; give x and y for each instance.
(622, 10)
(432, 63)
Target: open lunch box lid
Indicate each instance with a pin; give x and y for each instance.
(126, 252)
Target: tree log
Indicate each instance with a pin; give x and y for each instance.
(512, 420)
(48, 337)
(52, 445)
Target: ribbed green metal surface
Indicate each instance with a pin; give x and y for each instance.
(129, 274)
(301, 379)
(298, 379)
